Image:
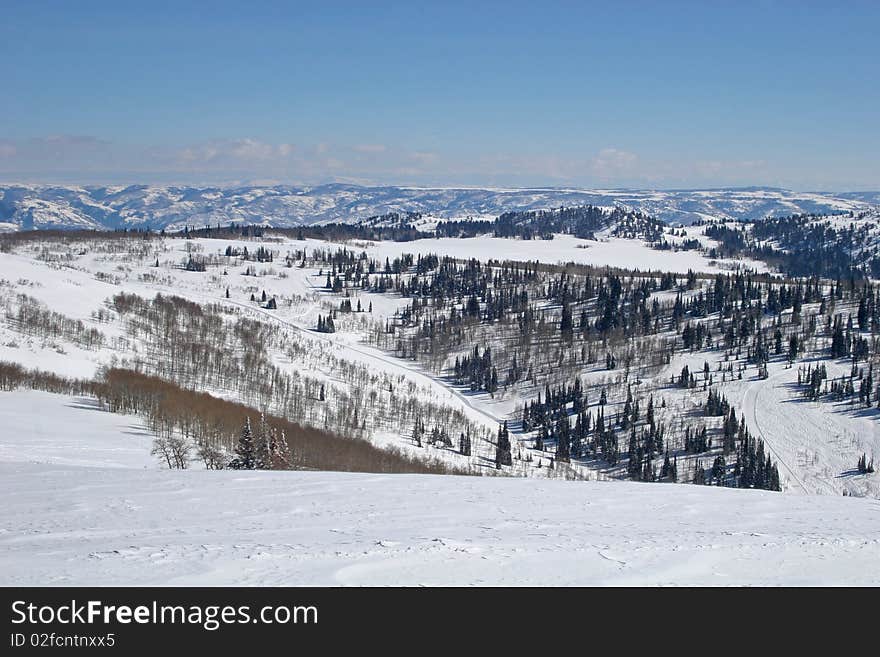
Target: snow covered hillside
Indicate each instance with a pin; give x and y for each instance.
(604, 251)
(828, 246)
(66, 311)
(142, 206)
(56, 430)
(76, 281)
(82, 507)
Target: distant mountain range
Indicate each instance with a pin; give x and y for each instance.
(27, 207)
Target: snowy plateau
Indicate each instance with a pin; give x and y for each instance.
(173, 207)
(90, 500)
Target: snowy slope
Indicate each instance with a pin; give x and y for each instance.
(808, 461)
(76, 291)
(39, 427)
(78, 519)
(32, 206)
(606, 251)
(817, 444)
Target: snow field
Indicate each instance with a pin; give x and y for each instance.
(816, 449)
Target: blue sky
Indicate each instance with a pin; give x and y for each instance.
(623, 94)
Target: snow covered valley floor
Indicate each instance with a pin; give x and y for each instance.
(84, 503)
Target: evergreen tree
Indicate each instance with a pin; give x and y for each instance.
(503, 454)
(464, 444)
(262, 446)
(566, 325)
(246, 450)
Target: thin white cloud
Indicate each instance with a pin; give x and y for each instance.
(88, 159)
(612, 162)
(423, 157)
(245, 150)
(370, 148)
(70, 140)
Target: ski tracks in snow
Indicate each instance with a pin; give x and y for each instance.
(750, 407)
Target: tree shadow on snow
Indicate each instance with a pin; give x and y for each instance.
(848, 473)
(87, 404)
(138, 432)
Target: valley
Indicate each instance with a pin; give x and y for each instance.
(557, 398)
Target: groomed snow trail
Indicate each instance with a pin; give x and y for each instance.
(750, 407)
(816, 443)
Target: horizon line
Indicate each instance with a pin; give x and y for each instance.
(489, 188)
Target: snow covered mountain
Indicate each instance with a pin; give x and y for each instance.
(26, 207)
(90, 500)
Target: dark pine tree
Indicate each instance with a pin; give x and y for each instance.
(246, 450)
